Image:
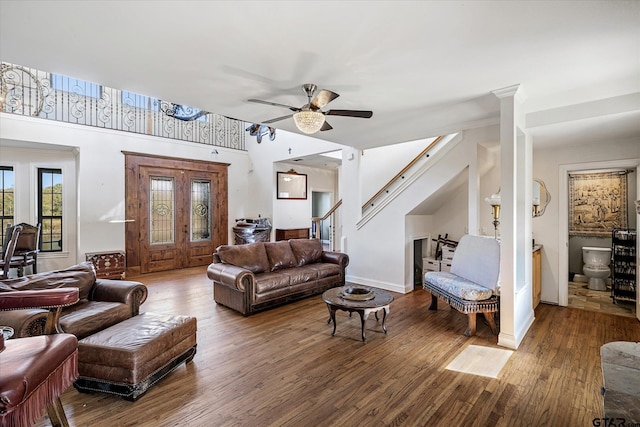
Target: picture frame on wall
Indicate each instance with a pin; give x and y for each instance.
(291, 185)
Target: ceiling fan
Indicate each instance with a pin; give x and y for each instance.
(310, 118)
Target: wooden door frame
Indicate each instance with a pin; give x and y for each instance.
(133, 162)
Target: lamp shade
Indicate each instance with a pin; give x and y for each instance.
(309, 121)
(494, 200)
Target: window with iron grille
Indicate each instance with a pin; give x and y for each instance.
(7, 190)
(50, 209)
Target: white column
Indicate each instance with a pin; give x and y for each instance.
(516, 312)
(473, 222)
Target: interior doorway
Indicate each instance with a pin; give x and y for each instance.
(321, 203)
(176, 211)
(573, 291)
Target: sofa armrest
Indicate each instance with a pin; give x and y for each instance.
(25, 323)
(29, 304)
(231, 275)
(17, 300)
(124, 291)
(339, 258)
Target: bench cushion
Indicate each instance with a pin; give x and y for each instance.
(458, 286)
(477, 258)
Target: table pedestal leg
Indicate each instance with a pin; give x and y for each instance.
(384, 318)
(362, 319)
(332, 313)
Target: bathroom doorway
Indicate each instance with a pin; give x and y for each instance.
(573, 284)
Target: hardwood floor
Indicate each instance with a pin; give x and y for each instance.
(282, 367)
(580, 296)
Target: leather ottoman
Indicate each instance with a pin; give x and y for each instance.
(129, 357)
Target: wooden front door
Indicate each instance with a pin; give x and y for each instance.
(180, 217)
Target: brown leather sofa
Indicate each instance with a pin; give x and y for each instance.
(257, 276)
(103, 302)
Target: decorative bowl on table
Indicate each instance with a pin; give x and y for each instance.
(7, 332)
(357, 293)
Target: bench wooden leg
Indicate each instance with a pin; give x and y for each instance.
(492, 322)
(57, 415)
(434, 303)
(471, 329)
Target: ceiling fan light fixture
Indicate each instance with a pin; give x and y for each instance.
(309, 121)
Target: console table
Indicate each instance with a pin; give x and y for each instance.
(292, 233)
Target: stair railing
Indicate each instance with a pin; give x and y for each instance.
(316, 221)
(399, 175)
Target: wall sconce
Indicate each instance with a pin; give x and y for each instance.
(494, 201)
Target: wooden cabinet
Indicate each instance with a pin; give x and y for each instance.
(536, 271)
(291, 233)
(108, 265)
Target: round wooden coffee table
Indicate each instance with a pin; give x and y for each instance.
(339, 299)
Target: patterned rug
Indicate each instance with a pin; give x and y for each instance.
(479, 360)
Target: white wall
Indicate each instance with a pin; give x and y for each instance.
(547, 164)
(100, 176)
(298, 213)
(25, 163)
(381, 251)
(379, 165)
(92, 158)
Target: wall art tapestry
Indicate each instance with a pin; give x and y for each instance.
(597, 203)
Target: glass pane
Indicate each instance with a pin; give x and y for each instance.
(162, 210)
(200, 212)
(51, 193)
(7, 190)
(46, 241)
(50, 209)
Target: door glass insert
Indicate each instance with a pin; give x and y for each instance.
(162, 196)
(200, 211)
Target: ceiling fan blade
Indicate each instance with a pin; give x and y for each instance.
(326, 126)
(274, 104)
(350, 113)
(323, 98)
(277, 119)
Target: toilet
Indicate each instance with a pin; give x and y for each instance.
(596, 266)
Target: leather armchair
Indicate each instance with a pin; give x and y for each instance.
(37, 370)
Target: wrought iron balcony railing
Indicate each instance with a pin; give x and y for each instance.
(31, 92)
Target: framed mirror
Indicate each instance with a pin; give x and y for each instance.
(541, 197)
(291, 185)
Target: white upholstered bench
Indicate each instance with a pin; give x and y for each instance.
(471, 286)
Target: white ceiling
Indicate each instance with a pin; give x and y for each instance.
(424, 67)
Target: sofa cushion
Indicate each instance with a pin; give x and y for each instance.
(458, 286)
(325, 269)
(81, 276)
(307, 251)
(252, 256)
(89, 317)
(297, 275)
(280, 255)
(268, 282)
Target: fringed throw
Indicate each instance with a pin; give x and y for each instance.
(34, 406)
